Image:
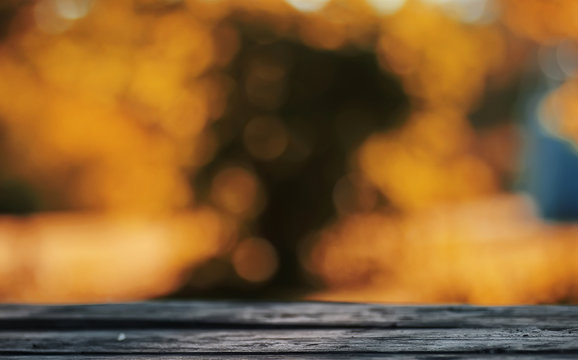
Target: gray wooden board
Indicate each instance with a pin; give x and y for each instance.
(453, 356)
(302, 330)
(301, 314)
(291, 341)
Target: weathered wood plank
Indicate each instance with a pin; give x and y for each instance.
(287, 341)
(226, 330)
(308, 314)
(453, 356)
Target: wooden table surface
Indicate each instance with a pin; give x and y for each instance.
(282, 330)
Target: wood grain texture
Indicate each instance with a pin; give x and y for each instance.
(453, 356)
(292, 341)
(300, 314)
(275, 330)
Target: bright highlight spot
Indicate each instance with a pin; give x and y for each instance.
(73, 9)
(308, 5)
(386, 7)
(474, 11)
(468, 11)
(437, 2)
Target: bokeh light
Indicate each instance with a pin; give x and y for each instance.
(374, 150)
(265, 138)
(235, 189)
(255, 259)
(386, 7)
(308, 5)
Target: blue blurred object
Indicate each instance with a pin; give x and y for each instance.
(550, 171)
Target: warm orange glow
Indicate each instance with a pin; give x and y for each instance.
(491, 252)
(111, 111)
(96, 92)
(559, 111)
(445, 68)
(95, 258)
(544, 21)
(417, 167)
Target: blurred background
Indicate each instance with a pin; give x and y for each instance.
(401, 151)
